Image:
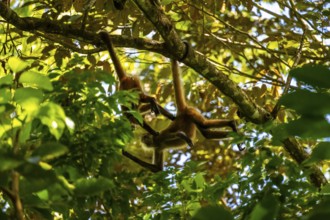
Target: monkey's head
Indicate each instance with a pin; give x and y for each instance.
(148, 140)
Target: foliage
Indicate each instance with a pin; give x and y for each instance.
(62, 129)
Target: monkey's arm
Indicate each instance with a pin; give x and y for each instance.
(152, 167)
(144, 125)
(154, 106)
(166, 113)
(146, 107)
(173, 139)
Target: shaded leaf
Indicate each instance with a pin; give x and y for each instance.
(212, 213)
(325, 190)
(93, 186)
(314, 75)
(266, 209)
(320, 152)
(308, 127)
(8, 162)
(50, 151)
(308, 103)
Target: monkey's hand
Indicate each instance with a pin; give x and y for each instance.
(184, 136)
(240, 147)
(154, 106)
(233, 126)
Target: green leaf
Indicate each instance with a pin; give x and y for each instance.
(199, 180)
(24, 135)
(5, 95)
(6, 80)
(325, 190)
(320, 152)
(308, 127)
(8, 162)
(314, 75)
(34, 201)
(87, 187)
(16, 64)
(35, 79)
(266, 209)
(28, 98)
(53, 116)
(50, 151)
(307, 103)
(36, 178)
(212, 213)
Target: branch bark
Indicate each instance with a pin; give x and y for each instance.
(299, 155)
(200, 64)
(174, 48)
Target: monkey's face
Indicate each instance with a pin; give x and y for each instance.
(148, 140)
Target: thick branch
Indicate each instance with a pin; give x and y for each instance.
(200, 63)
(46, 26)
(299, 155)
(219, 79)
(173, 48)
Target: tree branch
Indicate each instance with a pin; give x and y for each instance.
(299, 155)
(173, 48)
(46, 26)
(200, 64)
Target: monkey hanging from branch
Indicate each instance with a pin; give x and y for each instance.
(128, 82)
(182, 130)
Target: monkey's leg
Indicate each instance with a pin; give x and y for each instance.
(217, 123)
(174, 138)
(209, 134)
(152, 167)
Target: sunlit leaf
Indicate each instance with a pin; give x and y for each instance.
(28, 98)
(199, 180)
(53, 116)
(16, 64)
(35, 79)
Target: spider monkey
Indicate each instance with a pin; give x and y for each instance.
(183, 128)
(132, 82)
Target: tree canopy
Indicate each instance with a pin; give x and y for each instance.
(262, 63)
